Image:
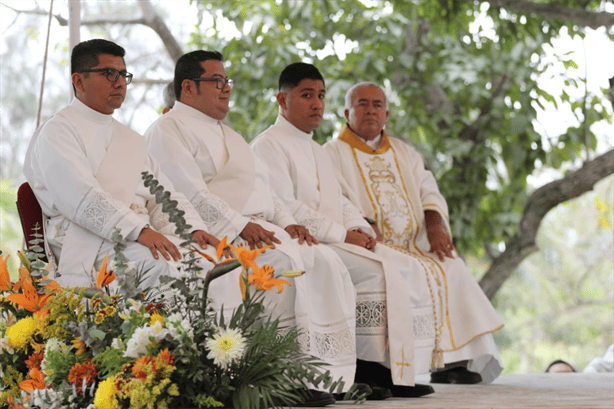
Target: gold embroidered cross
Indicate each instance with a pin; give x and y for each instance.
(403, 364)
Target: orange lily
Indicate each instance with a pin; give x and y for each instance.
(31, 300)
(246, 257)
(36, 381)
(221, 248)
(263, 279)
(24, 277)
(105, 277)
(5, 278)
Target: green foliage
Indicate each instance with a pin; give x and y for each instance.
(443, 79)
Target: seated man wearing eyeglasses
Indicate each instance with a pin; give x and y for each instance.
(214, 168)
(85, 170)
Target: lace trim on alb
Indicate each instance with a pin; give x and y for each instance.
(98, 212)
(328, 345)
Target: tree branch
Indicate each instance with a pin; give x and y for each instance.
(157, 24)
(538, 204)
(592, 19)
(150, 19)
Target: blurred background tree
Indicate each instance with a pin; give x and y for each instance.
(466, 85)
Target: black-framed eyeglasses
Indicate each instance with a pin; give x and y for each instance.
(220, 82)
(112, 74)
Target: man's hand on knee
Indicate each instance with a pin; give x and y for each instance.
(156, 242)
(204, 238)
(296, 231)
(440, 241)
(258, 237)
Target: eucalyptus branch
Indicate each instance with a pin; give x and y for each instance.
(33, 257)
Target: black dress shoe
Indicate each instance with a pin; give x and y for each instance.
(357, 391)
(379, 393)
(316, 399)
(415, 391)
(458, 375)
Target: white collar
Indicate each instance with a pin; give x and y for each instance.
(285, 124)
(375, 142)
(91, 114)
(193, 112)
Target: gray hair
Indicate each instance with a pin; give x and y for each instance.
(350, 93)
(169, 95)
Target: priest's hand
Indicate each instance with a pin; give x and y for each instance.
(156, 242)
(441, 243)
(296, 231)
(360, 238)
(203, 238)
(258, 237)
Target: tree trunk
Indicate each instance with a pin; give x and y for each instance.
(538, 204)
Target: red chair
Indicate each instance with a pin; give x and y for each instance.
(30, 214)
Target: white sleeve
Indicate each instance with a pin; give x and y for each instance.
(176, 159)
(61, 166)
(320, 226)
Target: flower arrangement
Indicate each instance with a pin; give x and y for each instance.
(117, 345)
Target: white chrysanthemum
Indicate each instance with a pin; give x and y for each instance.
(225, 347)
(137, 344)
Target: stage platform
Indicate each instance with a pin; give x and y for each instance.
(561, 390)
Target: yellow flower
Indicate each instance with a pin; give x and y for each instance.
(105, 397)
(156, 318)
(79, 346)
(21, 332)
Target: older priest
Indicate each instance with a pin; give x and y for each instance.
(85, 170)
(213, 166)
(396, 191)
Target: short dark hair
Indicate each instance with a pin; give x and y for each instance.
(294, 73)
(560, 361)
(85, 54)
(188, 67)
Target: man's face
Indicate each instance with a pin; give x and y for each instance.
(303, 105)
(367, 115)
(96, 91)
(205, 96)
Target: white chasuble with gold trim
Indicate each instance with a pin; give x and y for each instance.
(392, 187)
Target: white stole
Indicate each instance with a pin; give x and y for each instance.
(330, 195)
(118, 174)
(238, 171)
